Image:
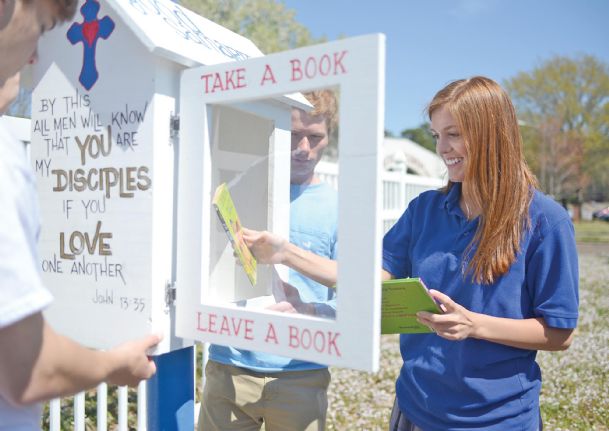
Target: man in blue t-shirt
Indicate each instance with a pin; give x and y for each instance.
(246, 389)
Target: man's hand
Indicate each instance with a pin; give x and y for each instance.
(283, 307)
(266, 247)
(132, 362)
(51, 365)
(288, 298)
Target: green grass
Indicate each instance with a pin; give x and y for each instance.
(575, 381)
(595, 231)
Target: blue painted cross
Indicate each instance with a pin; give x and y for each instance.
(88, 32)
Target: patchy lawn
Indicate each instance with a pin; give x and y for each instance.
(596, 231)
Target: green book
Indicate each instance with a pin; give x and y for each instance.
(401, 300)
(227, 213)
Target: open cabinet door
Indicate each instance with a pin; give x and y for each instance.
(236, 129)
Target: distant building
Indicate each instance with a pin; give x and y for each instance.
(401, 154)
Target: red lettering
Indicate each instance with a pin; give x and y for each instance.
(294, 342)
(311, 67)
(211, 323)
(305, 339)
(296, 70)
(236, 328)
(338, 62)
(325, 70)
(241, 78)
(332, 336)
(199, 328)
(270, 334)
(231, 80)
(228, 78)
(268, 75)
(319, 335)
(230, 327)
(217, 83)
(323, 66)
(206, 78)
(319, 340)
(224, 329)
(249, 331)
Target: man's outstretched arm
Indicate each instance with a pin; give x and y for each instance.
(37, 363)
(270, 248)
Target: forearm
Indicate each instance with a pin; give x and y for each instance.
(318, 268)
(532, 334)
(65, 367)
(41, 364)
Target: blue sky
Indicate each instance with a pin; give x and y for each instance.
(431, 42)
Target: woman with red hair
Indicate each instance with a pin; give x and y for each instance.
(500, 258)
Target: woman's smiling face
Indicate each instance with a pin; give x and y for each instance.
(449, 143)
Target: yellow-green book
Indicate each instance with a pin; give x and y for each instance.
(227, 213)
(401, 299)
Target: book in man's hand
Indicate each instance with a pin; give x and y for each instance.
(401, 300)
(227, 213)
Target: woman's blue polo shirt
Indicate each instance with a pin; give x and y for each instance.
(476, 384)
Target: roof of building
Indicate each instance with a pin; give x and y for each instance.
(417, 159)
(170, 30)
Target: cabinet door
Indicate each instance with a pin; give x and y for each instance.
(241, 126)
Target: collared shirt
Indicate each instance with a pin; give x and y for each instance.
(451, 385)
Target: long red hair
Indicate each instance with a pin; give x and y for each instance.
(497, 177)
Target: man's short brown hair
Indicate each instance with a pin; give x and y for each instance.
(324, 103)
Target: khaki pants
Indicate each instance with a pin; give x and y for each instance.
(239, 399)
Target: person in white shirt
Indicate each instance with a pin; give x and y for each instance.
(37, 363)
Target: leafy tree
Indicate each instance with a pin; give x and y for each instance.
(421, 135)
(564, 106)
(267, 23)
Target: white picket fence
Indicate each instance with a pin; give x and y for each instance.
(101, 395)
(399, 188)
